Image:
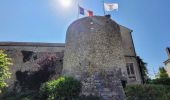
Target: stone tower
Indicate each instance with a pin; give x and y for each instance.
(94, 55)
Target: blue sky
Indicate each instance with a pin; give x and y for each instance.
(47, 21)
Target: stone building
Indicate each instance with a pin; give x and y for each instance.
(132, 62)
(32, 59)
(167, 62)
(33, 63)
(94, 55)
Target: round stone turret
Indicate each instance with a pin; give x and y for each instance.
(94, 55)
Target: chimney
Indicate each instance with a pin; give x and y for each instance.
(108, 16)
(168, 52)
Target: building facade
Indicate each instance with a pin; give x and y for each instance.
(28, 56)
(132, 63)
(167, 62)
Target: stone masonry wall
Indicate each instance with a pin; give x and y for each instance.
(33, 65)
(94, 55)
(130, 54)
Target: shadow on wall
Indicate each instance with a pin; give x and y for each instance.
(50, 68)
(27, 55)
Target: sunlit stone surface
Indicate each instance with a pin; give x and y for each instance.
(94, 55)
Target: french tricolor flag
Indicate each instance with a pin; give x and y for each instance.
(83, 11)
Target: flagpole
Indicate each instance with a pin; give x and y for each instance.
(78, 6)
(104, 9)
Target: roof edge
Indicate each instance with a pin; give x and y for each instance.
(166, 62)
(126, 28)
(39, 44)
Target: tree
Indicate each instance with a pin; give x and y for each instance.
(162, 78)
(4, 69)
(162, 73)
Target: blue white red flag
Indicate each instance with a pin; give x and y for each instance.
(83, 11)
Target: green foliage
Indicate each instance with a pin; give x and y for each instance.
(24, 95)
(161, 81)
(4, 69)
(147, 92)
(61, 89)
(162, 73)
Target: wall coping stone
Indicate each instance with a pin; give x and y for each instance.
(32, 44)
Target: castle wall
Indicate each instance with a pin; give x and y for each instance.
(94, 55)
(33, 63)
(130, 54)
(56, 50)
(36, 47)
(127, 41)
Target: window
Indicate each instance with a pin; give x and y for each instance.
(130, 70)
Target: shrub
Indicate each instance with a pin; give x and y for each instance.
(146, 92)
(4, 69)
(60, 89)
(161, 81)
(24, 95)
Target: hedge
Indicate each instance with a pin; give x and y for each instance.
(147, 92)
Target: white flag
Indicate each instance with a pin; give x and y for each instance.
(110, 6)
